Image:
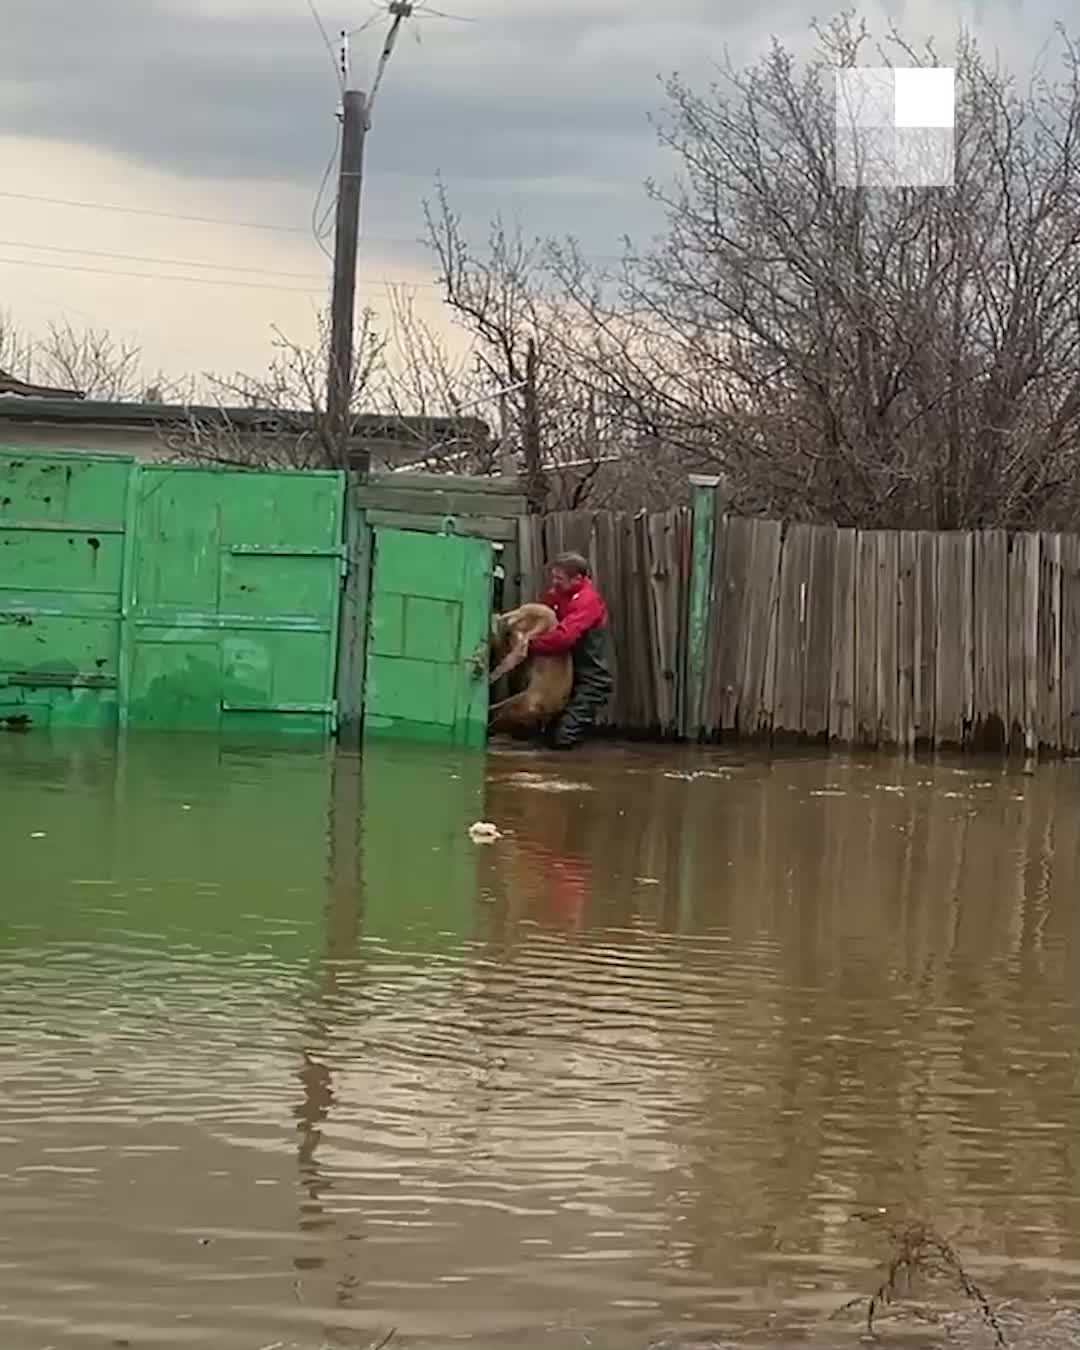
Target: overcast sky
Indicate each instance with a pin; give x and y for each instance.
(225, 109)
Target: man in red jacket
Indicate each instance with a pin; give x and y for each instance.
(582, 631)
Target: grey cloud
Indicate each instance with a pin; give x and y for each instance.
(535, 97)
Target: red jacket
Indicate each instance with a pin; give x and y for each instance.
(579, 611)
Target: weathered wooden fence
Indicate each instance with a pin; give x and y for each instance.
(890, 638)
(894, 638)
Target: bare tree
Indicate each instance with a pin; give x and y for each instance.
(905, 356)
(16, 349)
(553, 410)
(421, 383)
(90, 360)
(292, 429)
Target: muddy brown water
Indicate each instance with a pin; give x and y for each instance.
(290, 1061)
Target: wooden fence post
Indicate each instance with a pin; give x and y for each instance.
(703, 501)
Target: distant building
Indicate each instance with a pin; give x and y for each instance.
(33, 417)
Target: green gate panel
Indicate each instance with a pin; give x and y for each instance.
(62, 523)
(234, 599)
(427, 638)
(167, 596)
(175, 683)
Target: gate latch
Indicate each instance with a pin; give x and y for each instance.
(478, 662)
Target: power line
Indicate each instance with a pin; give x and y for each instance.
(198, 220)
(145, 211)
(209, 281)
(163, 262)
(318, 224)
(338, 74)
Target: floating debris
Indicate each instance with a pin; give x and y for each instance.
(483, 832)
(538, 783)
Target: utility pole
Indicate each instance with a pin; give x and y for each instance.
(356, 112)
(536, 487)
(355, 122)
(354, 125)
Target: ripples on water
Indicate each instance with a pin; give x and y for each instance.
(292, 1061)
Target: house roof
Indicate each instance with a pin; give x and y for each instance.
(72, 410)
(11, 384)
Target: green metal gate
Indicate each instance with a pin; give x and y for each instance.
(232, 601)
(427, 653)
(166, 596)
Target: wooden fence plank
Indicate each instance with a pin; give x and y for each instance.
(448, 482)
(684, 551)
(634, 584)
(1023, 615)
(481, 527)
(866, 684)
(708, 724)
(907, 630)
(991, 697)
(888, 555)
(531, 556)
(1070, 643)
(383, 496)
(663, 532)
(648, 631)
(955, 640)
(1032, 552)
(727, 657)
(819, 632)
(763, 588)
(926, 639)
(766, 708)
(842, 678)
(604, 559)
(1015, 607)
(791, 631)
(1049, 642)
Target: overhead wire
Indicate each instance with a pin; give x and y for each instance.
(318, 224)
(147, 211)
(381, 282)
(201, 220)
(313, 7)
(156, 261)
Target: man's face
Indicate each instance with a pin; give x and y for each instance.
(561, 581)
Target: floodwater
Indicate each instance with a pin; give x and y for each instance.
(289, 1061)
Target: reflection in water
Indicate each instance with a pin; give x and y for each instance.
(293, 1061)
